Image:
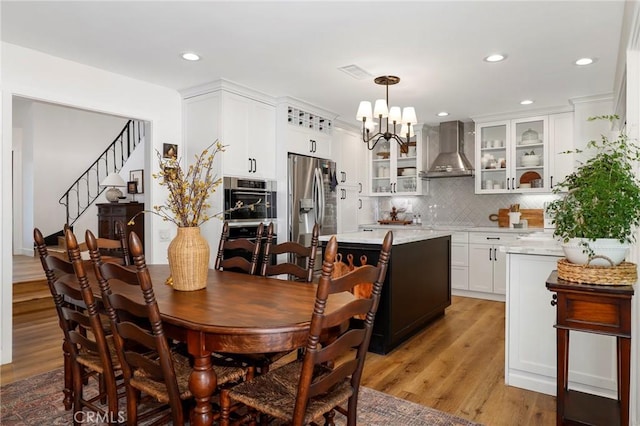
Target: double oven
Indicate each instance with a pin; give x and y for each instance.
(244, 222)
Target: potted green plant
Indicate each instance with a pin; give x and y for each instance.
(600, 209)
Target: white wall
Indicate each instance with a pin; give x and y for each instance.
(58, 144)
(31, 74)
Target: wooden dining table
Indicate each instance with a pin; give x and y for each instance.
(236, 313)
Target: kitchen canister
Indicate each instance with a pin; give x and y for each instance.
(514, 217)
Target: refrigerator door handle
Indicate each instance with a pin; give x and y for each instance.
(314, 196)
(320, 195)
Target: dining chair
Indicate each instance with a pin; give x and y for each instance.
(298, 255)
(148, 363)
(88, 351)
(112, 250)
(233, 253)
(305, 390)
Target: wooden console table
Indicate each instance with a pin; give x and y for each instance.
(595, 309)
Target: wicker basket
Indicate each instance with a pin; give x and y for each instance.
(622, 274)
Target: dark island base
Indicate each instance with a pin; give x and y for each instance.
(416, 291)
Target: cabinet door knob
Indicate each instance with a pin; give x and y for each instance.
(255, 165)
(250, 164)
(508, 186)
(360, 190)
(360, 204)
(554, 300)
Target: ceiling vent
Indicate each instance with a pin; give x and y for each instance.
(355, 72)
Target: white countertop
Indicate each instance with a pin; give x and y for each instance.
(401, 235)
(537, 244)
(452, 228)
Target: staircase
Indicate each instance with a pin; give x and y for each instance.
(84, 191)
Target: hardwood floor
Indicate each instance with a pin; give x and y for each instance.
(456, 364)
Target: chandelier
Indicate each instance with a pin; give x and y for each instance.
(392, 116)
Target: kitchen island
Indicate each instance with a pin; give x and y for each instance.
(417, 288)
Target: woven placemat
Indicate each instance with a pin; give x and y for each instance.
(623, 274)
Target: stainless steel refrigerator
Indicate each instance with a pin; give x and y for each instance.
(312, 187)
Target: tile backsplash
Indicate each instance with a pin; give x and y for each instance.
(452, 201)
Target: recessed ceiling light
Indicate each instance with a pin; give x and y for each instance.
(496, 57)
(190, 56)
(584, 61)
(526, 102)
(443, 114)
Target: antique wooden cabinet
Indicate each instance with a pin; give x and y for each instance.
(109, 213)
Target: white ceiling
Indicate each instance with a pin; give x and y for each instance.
(295, 48)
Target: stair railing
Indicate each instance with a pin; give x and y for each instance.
(84, 191)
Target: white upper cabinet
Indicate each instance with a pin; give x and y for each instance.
(522, 155)
(306, 131)
(249, 131)
(244, 123)
(393, 171)
(493, 164)
(561, 137)
(347, 152)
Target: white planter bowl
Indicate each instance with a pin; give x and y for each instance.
(611, 248)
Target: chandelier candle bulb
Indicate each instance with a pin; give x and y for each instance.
(409, 116)
(380, 109)
(406, 128)
(364, 111)
(395, 115)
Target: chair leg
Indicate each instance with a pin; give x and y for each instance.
(112, 399)
(68, 378)
(328, 418)
(132, 406)
(102, 386)
(77, 393)
(225, 407)
(352, 410)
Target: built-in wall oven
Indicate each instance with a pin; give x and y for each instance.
(243, 192)
(244, 222)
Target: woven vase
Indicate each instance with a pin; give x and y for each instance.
(189, 259)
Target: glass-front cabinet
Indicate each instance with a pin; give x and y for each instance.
(511, 155)
(492, 157)
(394, 171)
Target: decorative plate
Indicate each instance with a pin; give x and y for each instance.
(527, 177)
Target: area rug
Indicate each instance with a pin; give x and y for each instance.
(38, 401)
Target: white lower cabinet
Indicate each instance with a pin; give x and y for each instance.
(460, 261)
(487, 265)
(530, 337)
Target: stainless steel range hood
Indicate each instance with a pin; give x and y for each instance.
(451, 161)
